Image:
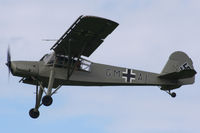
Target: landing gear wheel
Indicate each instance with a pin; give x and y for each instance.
(173, 94)
(34, 113)
(47, 100)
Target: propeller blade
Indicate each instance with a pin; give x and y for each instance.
(8, 61)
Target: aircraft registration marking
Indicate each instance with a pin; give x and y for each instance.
(128, 75)
(113, 73)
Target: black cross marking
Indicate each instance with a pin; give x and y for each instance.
(128, 75)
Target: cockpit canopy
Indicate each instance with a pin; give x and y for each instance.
(48, 58)
(62, 61)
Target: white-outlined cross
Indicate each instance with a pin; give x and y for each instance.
(129, 76)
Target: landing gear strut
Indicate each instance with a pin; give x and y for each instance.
(46, 100)
(34, 112)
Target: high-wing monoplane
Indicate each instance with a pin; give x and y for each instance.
(66, 65)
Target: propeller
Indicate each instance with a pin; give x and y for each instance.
(9, 61)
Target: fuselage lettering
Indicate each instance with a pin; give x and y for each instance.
(108, 73)
(112, 73)
(117, 73)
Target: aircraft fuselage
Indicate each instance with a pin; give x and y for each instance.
(97, 75)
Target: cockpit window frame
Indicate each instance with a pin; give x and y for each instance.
(61, 61)
(48, 58)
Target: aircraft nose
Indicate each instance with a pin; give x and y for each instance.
(11, 66)
(23, 68)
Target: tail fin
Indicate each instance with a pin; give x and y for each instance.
(179, 67)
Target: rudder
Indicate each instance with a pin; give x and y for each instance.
(179, 67)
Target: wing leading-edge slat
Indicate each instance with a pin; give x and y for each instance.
(84, 36)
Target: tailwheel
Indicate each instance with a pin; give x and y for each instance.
(173, 94)
(47, 100)
(34, 113)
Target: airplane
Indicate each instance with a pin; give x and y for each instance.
(66, 65)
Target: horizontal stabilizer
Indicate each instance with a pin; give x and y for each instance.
(188, 73)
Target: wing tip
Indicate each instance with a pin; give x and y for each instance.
(100, 18)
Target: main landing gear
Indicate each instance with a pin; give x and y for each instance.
(47, 100)
(34, 112)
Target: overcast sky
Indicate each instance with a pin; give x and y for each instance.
(148, 32)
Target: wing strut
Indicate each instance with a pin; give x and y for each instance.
(70, 66)
(69, 60)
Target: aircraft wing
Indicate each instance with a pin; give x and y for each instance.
(84, 36)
